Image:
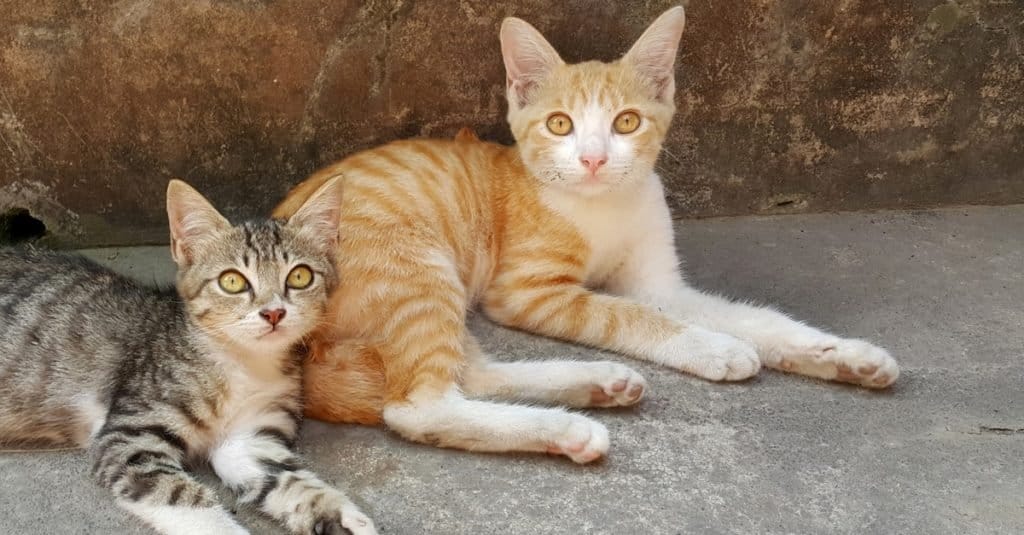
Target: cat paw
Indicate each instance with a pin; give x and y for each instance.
(330, 526)
(836, 359)
(616, 386)
(863, 363)
(583, 441)
(712, 355)
(340, 516)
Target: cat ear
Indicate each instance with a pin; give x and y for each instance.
(320, 216)
(654, 53)
(529, 58)
(192, 219)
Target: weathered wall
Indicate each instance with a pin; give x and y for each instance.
(784, 105)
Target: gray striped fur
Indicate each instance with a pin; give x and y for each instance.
(152, 379)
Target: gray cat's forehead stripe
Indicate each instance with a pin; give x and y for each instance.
(263, 240)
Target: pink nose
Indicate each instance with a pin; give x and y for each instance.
(593, 162)
(274, 316)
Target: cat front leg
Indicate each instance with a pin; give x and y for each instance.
(542, 299)
(788, 345)
(142, 466)
(264, 471)
(651, 275)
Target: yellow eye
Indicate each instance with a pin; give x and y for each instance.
(299, 278)
(560, 124)
(233, 282)
(627, 122)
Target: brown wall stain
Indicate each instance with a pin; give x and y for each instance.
(784, 106)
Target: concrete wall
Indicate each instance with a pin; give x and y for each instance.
(785, 106)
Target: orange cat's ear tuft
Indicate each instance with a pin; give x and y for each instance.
(192, 220)
(654, 53)
(529, 58)
(320, 216)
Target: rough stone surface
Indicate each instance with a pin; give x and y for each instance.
(785, 106)
(939, 453)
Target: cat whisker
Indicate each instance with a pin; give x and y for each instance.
(670, 155)
(662, 170)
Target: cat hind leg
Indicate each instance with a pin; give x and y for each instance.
(345, 383)
(452, 421)
(557, 382)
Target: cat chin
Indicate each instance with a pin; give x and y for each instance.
(280, 336)
(275, 341)
(586, 188)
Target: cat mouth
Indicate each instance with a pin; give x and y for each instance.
(271, 332)
(591, 181)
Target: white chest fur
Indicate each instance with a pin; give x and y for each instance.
(251, 399)
(614, 224)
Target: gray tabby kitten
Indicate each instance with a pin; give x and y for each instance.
(153, 379)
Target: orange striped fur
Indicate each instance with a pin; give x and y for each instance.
(429, 228)
(432, 228)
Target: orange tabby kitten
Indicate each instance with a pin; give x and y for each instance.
(431, 228)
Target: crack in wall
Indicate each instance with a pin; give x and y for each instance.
(984, 429)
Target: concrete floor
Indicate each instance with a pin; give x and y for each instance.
(939, 453)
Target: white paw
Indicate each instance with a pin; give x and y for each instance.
(863, 363)
(583, 441)
(356, 522)
(711, 355)
(836, 359)
(616, 385)
(332, 513)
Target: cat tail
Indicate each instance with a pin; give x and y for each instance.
(344, 382)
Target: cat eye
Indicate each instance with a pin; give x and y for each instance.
(627, 122)
(299, 278)
(560, 124)
(233, 282)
